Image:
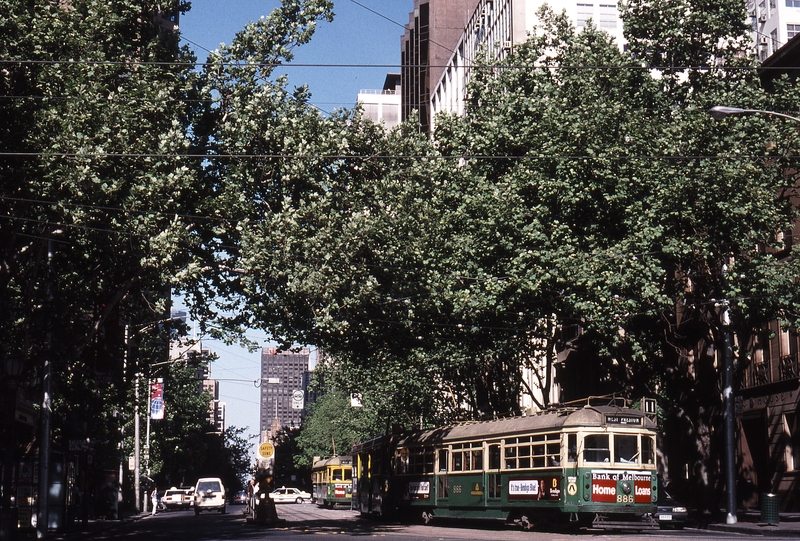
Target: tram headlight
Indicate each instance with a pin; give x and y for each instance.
(626, 487)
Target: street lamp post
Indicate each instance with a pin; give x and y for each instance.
(719, 112)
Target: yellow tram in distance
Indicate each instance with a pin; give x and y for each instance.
(591, 465)
(333, 481)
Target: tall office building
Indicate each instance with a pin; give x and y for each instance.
(433, 29)
(493, 29)
(284, 377)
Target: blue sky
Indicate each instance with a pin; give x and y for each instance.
(357, 37)
(364, 33)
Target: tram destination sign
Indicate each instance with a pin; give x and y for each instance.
(635, 420)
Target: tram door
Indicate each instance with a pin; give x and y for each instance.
(442, 490)
(492, 481)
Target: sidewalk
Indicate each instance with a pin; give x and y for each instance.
(749, 522)
(90, 530)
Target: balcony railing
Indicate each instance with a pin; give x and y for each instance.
(788, 367)
(764, 373)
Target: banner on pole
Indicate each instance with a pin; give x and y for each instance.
(157, 399)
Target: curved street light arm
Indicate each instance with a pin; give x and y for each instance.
(720, 111)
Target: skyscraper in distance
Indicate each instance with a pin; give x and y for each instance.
(283, 382)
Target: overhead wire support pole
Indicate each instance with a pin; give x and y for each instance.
(729, 413)
(719, 112)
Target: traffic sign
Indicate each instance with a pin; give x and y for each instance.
(297, 400)
(266, 450)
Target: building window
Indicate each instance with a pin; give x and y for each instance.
(792, 29)
(608, 16)
(793, 4)
(586, 11)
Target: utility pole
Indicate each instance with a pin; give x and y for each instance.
(42, 518)
(137, 468)
(729, 413)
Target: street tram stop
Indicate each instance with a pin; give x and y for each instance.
(261, 509)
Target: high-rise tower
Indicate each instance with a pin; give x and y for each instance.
(283, 381)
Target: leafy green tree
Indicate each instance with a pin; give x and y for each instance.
(332, 426)
(104, 215)
(586, 185)
(614, 201)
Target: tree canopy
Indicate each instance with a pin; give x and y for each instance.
(586, 186)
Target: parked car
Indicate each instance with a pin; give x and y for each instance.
(209, 495)
(240, 498)
(177, 498)
(670, 513)
(289, 495)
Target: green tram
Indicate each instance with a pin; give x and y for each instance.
(592, 466)
(332, 479)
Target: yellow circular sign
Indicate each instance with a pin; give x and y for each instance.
(266, 450)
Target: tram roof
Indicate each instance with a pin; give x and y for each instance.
(340, 460)
(588, 416)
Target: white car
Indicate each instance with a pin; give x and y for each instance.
(177, 498)
(289, 495)
(209, 495)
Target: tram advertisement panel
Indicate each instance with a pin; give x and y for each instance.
(538, 488)
(621, 487)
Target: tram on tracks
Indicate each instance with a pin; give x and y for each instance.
(593, 465)
(332, 479)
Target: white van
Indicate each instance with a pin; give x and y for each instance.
(209, 495)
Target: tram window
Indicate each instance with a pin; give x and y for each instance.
(648, 454)
(477, 459)
(467, 457)
(416, 460)
(625, 448)
(338, 475)
(401, 461)
(537, 451)
(443, 460)
(427, 461)
(595, 448)
(572, 447)
(348, 474)
(494, 457)
(511, 457)
(553, 454)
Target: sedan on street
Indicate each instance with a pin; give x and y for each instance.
(670, 513)
(289, 495)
